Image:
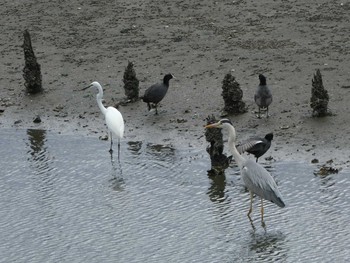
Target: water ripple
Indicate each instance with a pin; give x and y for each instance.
(66, 199)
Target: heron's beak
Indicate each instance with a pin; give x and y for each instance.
(87, 87)
(212, 125)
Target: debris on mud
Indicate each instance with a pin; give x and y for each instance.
(319, 96)
(31, 70)
(37, 119)
(232, 95)
(219, 161)
(131, 83)
(327, 169)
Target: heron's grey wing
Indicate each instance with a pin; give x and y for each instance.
(258, 180)
(248, 145)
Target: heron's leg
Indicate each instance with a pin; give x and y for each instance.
(262, 215)
(262, 210)
(149, 106)
(251, 204)
(267, 111)
(257, 159)
(259, 116)
(156, 109)
(111, 150)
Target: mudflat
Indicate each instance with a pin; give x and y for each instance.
(199, 42)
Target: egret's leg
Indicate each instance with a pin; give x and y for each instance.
(267, 111)
(118, 148)
(251, 204)
(111, 150)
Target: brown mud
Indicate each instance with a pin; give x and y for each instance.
(199, 41)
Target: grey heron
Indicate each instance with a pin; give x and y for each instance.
(155, 93)
(256, 146)
(255, 177)
(113, 117)
(263, 96)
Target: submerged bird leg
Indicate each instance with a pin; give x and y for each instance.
(111, 150)
(149, 106)
(262, 215)
(156, 109)
(118, 149)
(251, 204)
(257, 159)
(262, 210)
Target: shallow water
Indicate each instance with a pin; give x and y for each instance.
(64, 200)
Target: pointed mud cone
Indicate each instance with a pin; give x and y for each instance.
(219, 161)
(31, 70)
(319, 96)
(232, 95)
(131, 83)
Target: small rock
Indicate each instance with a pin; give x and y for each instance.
(104, 137)
(315, 161)
(17, 122)
(58, 108)
(181, 120)
(37, 119)
(284, 127)
(269, 158)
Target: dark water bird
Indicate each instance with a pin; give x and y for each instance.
(256, 146)
(263, 96)
(255, 177)
(113, 117)
(155, 93)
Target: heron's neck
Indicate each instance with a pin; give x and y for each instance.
(232, 141)
(99, 97)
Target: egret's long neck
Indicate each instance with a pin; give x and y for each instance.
(99, 97)
(231, 142)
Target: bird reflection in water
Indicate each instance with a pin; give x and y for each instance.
(117, 180)
(216, 191)
(268, 243)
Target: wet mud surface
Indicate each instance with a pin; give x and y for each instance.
(197, 41)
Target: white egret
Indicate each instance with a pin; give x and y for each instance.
(155, 93)
(256, 146)
(113, 117)
(255, 177)
(263, 96)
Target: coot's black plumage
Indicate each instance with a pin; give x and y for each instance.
(256, 146)
(263, 96)
(155, 93)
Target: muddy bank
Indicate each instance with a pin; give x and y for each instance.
(197, 41)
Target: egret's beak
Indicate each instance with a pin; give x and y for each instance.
(87, 87)
(212, 125)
